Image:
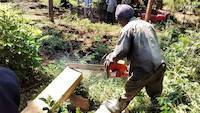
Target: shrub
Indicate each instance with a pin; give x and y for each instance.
(181, 51)
(51, 44)
(18, 46)
(183, 5)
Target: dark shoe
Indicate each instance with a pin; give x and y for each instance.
(116, 106)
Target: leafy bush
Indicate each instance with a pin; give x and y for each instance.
(182, 51)
(181, 83)
(52, 44)
(18, 46)
(183, 5)
(100, 51)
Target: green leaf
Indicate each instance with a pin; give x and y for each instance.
(44, 100)
(52, 103)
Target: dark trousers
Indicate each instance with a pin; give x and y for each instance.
(152, 82)
(110, 17)
(138, 79)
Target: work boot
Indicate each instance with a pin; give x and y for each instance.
(113, 106)
(116, 106)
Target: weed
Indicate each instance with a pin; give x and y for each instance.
(51, 44)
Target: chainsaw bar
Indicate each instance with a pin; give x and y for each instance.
(95, 67)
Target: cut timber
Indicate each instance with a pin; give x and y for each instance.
(186, 18)
(59, 90)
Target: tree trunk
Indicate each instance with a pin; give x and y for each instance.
(50, 4)
(149, 9)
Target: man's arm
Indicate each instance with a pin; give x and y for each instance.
(122, 48)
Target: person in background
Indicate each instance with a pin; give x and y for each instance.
(9, 91)
(111, 6)
(126, 2)
(88, 8)
(138, 43)
(102, 10)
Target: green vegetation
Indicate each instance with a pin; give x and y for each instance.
(183, 5)
(18, 45)
(55, 2)
(29, 46)
(181, 84)
(52, 44)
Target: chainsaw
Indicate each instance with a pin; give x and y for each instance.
(114, 70)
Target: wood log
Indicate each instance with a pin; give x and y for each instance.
(59, 90)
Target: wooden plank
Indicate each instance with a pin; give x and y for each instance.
(59, 90)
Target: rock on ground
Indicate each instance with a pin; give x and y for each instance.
(81, 102)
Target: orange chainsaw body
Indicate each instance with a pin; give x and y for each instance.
(117, 70)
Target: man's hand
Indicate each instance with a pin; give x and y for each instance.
(107, 59)
(107, 63)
